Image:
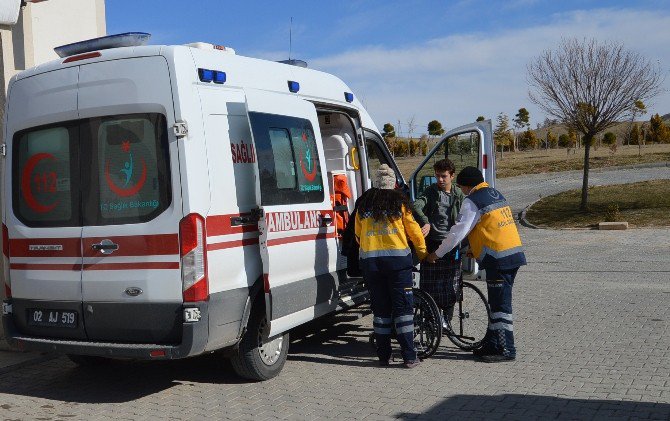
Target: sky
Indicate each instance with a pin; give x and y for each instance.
(446, 60)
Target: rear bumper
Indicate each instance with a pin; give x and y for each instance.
(193, 341)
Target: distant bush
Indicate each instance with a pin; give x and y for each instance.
(528, 140)
(565, 141)
(609, 138)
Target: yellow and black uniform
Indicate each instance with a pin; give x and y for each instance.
(386, 263)
(486, 219)
(494, 240)
(388, 239)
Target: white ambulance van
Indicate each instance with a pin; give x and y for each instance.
(161, 202)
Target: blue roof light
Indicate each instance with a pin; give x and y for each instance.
(206, 75)
(219, 77)
(128, 39)
(293, 86)
(349, 97)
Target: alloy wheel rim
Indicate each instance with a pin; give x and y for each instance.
(268, 349)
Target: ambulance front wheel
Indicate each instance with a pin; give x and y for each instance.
(260, 357)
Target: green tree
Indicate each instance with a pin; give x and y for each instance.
(502, 135)
(658, 131)
(609, 138)
(400, 148)
(638, 109)
(551, 140)
(388, 131)
(435, 128)
(480, 118)
(635, 136)
(527, 140)
(521, 122)
(413, 147)
(565, 141)
(590, 87)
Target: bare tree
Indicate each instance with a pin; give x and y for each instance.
(590, 86)
(411, 126)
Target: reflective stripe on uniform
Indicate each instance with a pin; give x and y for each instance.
(405, 318)
(498, 254)
(501, 326)
(384, 253)
(502, 315)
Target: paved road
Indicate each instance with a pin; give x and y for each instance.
(593, 330)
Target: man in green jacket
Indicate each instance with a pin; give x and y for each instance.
(435, 211)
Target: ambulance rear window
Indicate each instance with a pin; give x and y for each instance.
(125, 177)
(132, 181)
(45, 176)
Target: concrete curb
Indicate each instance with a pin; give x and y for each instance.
(522, 217)
(632, 167)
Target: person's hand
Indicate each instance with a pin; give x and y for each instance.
(431, 258)
(425, 229)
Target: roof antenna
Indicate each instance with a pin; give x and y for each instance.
(292, 62)
(290, 38)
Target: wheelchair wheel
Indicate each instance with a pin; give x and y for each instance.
(427, 324)
(468, 326)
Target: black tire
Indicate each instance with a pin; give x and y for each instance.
(468, 326)
(427, 324)
(259, 357)
(89, 360)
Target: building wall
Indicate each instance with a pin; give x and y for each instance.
(43, 26)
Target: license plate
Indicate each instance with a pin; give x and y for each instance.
(52, 318)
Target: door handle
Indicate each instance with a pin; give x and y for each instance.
(105, 247)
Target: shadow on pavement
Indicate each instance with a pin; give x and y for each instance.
(340, 339)
(333, 340)
(538, 407)
(117, 382)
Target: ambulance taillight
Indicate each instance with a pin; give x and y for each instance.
(193, 253)
(5, 258)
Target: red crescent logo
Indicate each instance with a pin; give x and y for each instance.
(310, 176)
(131, 191)
(26, 189)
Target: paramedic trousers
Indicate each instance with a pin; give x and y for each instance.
(392, 307)
(500, 335)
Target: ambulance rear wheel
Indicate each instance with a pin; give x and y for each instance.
(88, 360)
(259, 356)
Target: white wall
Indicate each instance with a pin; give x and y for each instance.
(59, 22)
(45, 25)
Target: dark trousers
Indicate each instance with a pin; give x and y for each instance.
(392, 306)
(500, 335)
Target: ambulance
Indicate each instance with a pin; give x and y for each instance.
(163, 202)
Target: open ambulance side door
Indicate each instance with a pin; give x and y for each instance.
(469, 145)
(296, 222)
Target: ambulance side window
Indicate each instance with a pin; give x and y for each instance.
(288, 161)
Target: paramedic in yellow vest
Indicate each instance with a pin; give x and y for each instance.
(383, 226)
(487, 221)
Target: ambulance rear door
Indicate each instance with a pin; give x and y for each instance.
(131, 278)
(469, 145)
(41, 215)
(297, 232)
